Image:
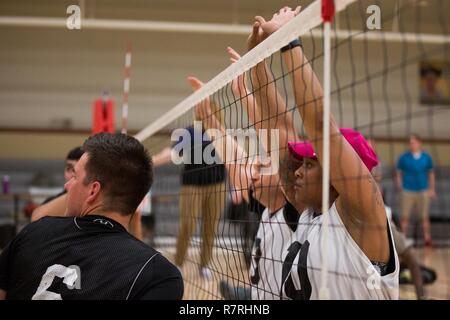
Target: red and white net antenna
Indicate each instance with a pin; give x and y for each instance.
(328, 12)
(126, 89)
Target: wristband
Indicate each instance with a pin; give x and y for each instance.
(292, 44)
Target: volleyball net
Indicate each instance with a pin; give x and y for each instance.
(228, 151)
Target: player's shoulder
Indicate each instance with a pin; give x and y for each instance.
(127, 244)
(156, 265)
(53, 220)
(158, 279)
(163, 266)
(37, 229)
(49, 223)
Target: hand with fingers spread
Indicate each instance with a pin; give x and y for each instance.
(255, 37)
(278, 20)
(203, 109)
(264, 93)
(222, 142)
(238, 85)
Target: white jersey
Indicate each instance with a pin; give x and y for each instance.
(269, 250)
(351, 275)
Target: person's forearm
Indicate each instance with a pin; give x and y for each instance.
(308, 93)
(272, 107)
(261, 77)
(251, 106)
(344, 162)
(56, 207)
(162, 157)
(398, 180)
(264, 88)
(416, 273)
(225, 145)
(236, 160)
(228, 151)
(231, 154)
(432, 180)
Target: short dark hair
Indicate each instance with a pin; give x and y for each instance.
(75, 154)
(415, 136)
(122, 166)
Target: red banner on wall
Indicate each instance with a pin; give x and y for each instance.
(103, 116)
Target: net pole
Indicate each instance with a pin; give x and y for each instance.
(126, 89)
(327, 16)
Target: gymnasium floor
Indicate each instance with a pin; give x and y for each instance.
(437, 259)
(226, 264)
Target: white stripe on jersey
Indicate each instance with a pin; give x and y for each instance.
(269, 250)
(351, 274)
(139, 273)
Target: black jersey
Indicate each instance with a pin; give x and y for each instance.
(92, 257)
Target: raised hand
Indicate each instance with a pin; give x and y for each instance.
(255, 37)
(203, 109)
(278, 20)
(238, 85)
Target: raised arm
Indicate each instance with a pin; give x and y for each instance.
(163, 157)
(241, 92)
(432, 184)
(237, 168)
(272, 104)
(359, 203)
(236, 171)
(55, 208)
(277, 118)
(398, 180)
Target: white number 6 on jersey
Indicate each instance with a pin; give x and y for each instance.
(71, 277)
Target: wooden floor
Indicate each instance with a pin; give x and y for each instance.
(439, 260)
(229, 265)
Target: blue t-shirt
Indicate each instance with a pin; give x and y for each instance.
(415, 171)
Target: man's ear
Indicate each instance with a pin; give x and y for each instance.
(94, 192)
